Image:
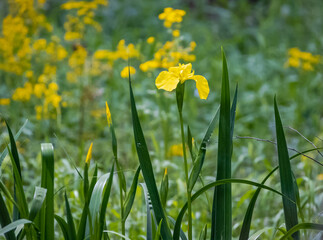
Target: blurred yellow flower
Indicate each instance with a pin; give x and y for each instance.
(168, 80)
(176, 150)
(125, 71)
(108, 113)
(150, 40)
(89, 154)
(171, 16)
(320, 177)
(176, 33)
(4, 101)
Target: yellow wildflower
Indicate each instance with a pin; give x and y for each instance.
(125, 71)
(320, 177)
(108, 113)
(171, 16)
(176, 150)
(29, 74)
(40, 44)
(168, 80)
(192, 45)
(39, 89)
(150, 40)
(89, 154)
(293, 62)
(39, 112)
(176, 33)
(4, 101)
(307, 66)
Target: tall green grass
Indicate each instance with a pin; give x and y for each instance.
(21, 219)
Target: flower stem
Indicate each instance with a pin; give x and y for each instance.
(186, 178)
(180, 99)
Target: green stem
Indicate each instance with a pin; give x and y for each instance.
(189, 205)
(123, 222)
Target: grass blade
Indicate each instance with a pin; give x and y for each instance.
(245, 229)
(64, 227)
(5, 151)
(149, 230)
(5, 219)
(13, 226)
(105, 200)
(172, 222)
(221, 227)
(37, 203)
(15, 157)
(296, 228)
(70, 221)
(211, 185)
(131, 195)
(147, 170)
(198, 163)
(203, 233)
(47, 181)
(286, 178)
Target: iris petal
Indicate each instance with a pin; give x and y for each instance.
(167, 81)
(202, 86)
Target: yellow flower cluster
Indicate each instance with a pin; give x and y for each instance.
(176, 150)
(169, 55)
(47, 92)
(4, 101)
(124, 52)
(171, 16)
(125, 72)
(76, 62)
(75, 25)
(304, 60)
(172, 52)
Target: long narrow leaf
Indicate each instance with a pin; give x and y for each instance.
(131, 195)
(5, 151)
(198, 163)
(37, 202)
(5, 219)
(221, 227)
(70, 221)
(47, 181)
(63, 225)
(286, 178)
(296, 228)
(147, 170)
(15, 157)
(13, 226)
(149, 225)
(207, 187)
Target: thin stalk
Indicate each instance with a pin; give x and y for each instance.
(189, 206)
(123, 222)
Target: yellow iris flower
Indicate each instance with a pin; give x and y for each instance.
(168, 80)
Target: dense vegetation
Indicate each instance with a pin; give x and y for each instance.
(203, 142)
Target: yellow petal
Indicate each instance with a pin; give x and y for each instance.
(183, 71)
(89, 154)
(108, 113)
(202, 86)
(167, 81)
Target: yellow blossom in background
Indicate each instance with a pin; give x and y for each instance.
(168, 80)
(40, 44)
(176, 150)
(176, 33)
(171, 16)
(125, 71)
(4, 101)
(108, 113)
(89, 154)
(320, 177)
(39, 112)
(300, 59)
(307, 66)
(39, 89)
(150, 40)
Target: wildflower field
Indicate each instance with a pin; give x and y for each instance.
(165, 119)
